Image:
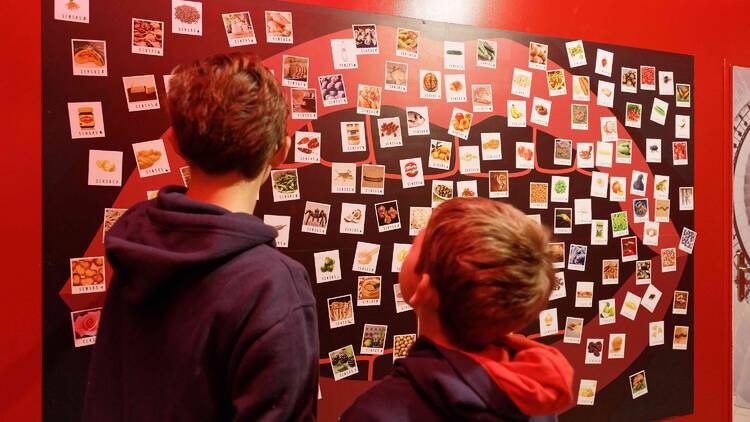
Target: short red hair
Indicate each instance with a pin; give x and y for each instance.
(490, 266)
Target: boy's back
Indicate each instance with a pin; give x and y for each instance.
(201, 319)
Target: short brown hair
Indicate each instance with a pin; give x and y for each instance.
(228, 113)
(490, 266)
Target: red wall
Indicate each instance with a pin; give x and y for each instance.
(708, 33)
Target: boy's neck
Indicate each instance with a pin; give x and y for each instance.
(230, 191)
(430, 326)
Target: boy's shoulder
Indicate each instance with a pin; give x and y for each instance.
(392, 399)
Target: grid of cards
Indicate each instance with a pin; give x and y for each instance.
(597, 162)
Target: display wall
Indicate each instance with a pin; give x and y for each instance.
(668, 371)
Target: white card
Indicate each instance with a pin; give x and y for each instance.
(372, 181)
(140, 92)
(442, 190)
(89, 57)
(599, 232)
(630, 306)
(343, 178)
(344, 53)
(581, 88)
(605, 94)
(418, 218)
(653, 150)
(585, 154)
(609, 128)
(353, 136)
(187, 17)
(666, 83)
(282, 224)
(604, 151)
(366, 257)
(373, 339)
(560, 188)
(105, 168)
(468, 157)
(682, 126)
(629, 249)
(389, 129)
(573, 330)
(659, 111)
(467, 189)
(594, 351)
(86, 120)
(151, 158)
(285, 185)
(352, 218)
(307, 147)
(680, 337)
(599, 184)
(610, 271)
(607, 311)
(332, 90)
(651, 298)
(560, 291)
(639, 183)
(643, 272)
(651, 233)
(629, 80)
(239, 29)
(548, 322)
(481, 98)
(604, 60)
(499, 184)
(582, 208)
(540, 111)
(72, 11)
(616, 346)
(453, 55)
(577, 257)
(584, 294)
(576, 53)
(327, 266)
(400, 250)
(586, 392)
(418, 121)
(315, 218)
(525, 155)
(521, 84)
(369, 290)
(455, 88)
(656, 333)
(640, 210)
(440, 154)
(430, 84)
(412, 174)
(460, 123)
(492, 146)
(387, 216)
(617, 188)
(516, 113)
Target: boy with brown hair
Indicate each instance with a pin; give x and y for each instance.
(205, 319)
(479, 271)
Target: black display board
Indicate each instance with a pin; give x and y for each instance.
(73, 210)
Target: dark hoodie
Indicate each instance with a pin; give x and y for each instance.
(204, 320)
(438, 384)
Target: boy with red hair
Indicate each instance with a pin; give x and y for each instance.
(478, 272)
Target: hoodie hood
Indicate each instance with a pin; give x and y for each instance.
(537, 378)
(162, 242)
(454, 385)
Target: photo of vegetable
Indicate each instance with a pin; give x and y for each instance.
(619, 221)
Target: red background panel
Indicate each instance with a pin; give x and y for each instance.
(715, 34)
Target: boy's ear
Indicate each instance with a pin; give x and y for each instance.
(280, 155)
(425, 294)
